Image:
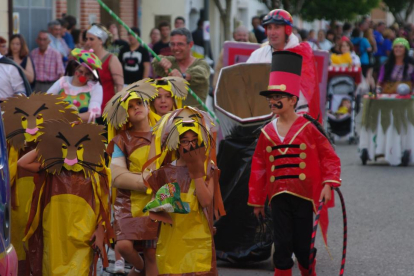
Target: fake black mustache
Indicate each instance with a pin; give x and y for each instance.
(278, 105)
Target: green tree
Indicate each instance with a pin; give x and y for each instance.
(325, 9)
(293, 6)
(400, 9)
(336, 9)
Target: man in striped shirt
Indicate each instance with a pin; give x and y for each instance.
(47, 62)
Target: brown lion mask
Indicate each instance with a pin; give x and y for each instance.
(75, 146)
(23, 115)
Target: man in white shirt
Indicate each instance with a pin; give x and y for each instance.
(11, 81)
(323, 43)
(56, 40)
(278, 24)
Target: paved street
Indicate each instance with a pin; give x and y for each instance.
(380, 223)
(380, 213)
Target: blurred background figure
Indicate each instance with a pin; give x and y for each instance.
(199, 43)
(135, 59)
(382, 47)
(162, 47)
(179, 22)
(389, 36)
(336, 48)
(240, 34)
(111, 74)
(3, 46)
(65, 35)
(347, 56)
(330, 35)
(311, 36)
(117, 42)
(47, 62)
(347, 30)
(12, 79)
(258, 29)
(155, 37)
(19, 53)
(323, 43)
(70, 37)
(56, 40)
(397, 69)
(77, 38)
(362, 48)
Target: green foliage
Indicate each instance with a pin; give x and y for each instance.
(397, 6)
(292, 6)
(326, 9)
(336, 9)
(401, 9)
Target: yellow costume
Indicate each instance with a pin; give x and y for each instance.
(341, 59)
(134, 149)
(186, 247)
(71, 200)
(22, 116)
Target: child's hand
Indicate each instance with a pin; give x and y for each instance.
(194, 159)
(326, 193)
(97, 239)
(259, 211)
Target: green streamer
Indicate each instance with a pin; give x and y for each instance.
(103, 5)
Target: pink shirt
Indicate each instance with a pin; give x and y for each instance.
(48, 66)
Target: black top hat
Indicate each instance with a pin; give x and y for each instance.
(284, 74)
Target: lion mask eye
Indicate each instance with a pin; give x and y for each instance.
(39, 117)
(24, 118)
(64, 147)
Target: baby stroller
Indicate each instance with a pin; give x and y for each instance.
(341, 118)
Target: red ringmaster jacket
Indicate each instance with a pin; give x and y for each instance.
(300, 165)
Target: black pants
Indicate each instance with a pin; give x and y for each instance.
(293, 222)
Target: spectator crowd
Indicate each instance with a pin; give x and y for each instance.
(363, 43)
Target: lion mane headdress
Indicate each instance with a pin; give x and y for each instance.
(116, 109)
(23, 115)
(178, 87)
(75, 146)
(167, 140)
(168, 130)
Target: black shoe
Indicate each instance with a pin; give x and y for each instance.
(405, 159)
(364, 156)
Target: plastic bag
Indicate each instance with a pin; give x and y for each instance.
(168, 199)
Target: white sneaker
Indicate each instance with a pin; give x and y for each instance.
(120, 266)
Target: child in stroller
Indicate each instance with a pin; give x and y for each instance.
(342, 109)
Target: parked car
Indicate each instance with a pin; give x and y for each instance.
(8, 256)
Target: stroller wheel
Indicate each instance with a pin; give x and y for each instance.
(364, 156)
(351, 140)
(405, 159)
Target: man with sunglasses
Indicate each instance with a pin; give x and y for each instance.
(278, 25)
(183, 64)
